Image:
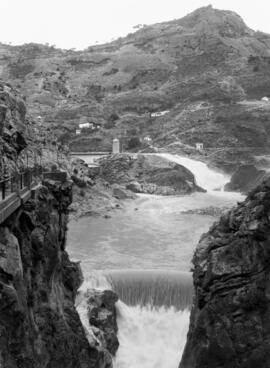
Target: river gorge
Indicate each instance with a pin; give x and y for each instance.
(143, 252)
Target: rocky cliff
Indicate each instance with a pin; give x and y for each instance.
(13, 125)
(208, 71)
(230, 319)
(39, 324)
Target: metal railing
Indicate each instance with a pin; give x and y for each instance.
(17, 182)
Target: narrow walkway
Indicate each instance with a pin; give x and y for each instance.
(18, 189)
(14, 191)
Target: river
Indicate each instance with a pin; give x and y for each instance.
(144, 253)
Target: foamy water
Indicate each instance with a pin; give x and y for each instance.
(150, 338)
(151, 335)
(205, 177)
(139, 253)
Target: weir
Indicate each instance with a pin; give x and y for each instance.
(153, 288)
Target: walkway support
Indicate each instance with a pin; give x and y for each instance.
(17, 189)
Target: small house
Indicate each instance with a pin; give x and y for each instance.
(266, 99)
(148, 140)
(78, 131)
(85, 125)
(199, 146)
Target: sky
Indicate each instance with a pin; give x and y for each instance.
(82, 23)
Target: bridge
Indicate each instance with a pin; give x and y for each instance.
(90, 153)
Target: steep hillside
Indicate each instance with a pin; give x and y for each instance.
(208, 70)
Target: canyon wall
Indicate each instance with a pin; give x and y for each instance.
(39, 325)
(230, 318)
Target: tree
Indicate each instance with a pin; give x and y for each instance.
(134, 142)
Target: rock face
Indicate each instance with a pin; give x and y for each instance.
(230, 319)
(245, 179)
(148, 174)
(102, 315)
(12, 124)
(39, 325)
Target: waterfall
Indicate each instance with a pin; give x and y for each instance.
(152, 314)
(150, 338)
(205, 177)
(153, 288)
(145, 288)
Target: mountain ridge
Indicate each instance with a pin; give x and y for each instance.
(198, 67)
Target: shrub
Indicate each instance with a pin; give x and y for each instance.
(134, 142)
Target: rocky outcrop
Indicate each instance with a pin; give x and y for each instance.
(245, 179)
(12, 125)
(102, 317)
(230, 319)
(148, 174)
(39, 325)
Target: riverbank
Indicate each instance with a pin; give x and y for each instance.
(118, 179)
(99, 199)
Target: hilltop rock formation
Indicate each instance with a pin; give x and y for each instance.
(148, 174)
(230, 320)
(208, 71)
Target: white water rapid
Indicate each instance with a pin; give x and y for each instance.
(205, 177)
(139, 252)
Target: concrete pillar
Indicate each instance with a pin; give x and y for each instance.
(116, 146)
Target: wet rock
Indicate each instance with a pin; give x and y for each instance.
(230, 321)
(134, 187)
(102, 315)
(245, 179)
(122, 193)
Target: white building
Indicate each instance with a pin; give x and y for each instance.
(266, 99)
(78, 131)
(159, 113)
(199, 146)
(85, 125)
(148, 140)
(116, 146)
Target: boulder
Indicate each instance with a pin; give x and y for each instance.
(135, 187)
(245, 178)
(120, 192)
(102, 315)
